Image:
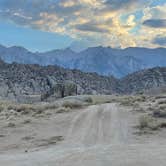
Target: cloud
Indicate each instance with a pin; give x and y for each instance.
(155, 12)
(91, 28)
(155, 23)
(153, 26)
(159, 40)
(99, 21)
(124, 4)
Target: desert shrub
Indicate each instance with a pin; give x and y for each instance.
(159, 113)
(27, 121)
(126, 102)
(1, 108)
(86, 99)
(141, 98)
(131, 100)
(72, 104)
(11, 125)
(160, 102)
(47, 106)
(62, 110)
(147, 122)
(22, 108)
(143, 122)
(163, 124)
(28, 108)
(160, 97)
(137, 108)
(162, 107)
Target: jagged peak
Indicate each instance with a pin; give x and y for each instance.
(18, 48)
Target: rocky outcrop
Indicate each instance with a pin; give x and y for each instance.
(144, 80)
(60, 90)
(17, 80)
(30, 83)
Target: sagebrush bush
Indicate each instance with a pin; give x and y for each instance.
(62, 110)
(11, 125)
(72, 103)
(1, 108)
(48, 106)
(132, 100)
(143, 122)
(159, 113)
(147, 122)
(160, 102)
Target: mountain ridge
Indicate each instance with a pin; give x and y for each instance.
(103, 60)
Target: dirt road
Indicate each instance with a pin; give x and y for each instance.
(96, 136)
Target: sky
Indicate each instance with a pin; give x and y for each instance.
(42, 25)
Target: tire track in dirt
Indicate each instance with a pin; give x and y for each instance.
(103, 124)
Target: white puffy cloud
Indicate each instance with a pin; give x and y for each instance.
(153, 26)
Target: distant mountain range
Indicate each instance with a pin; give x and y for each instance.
(102, 60)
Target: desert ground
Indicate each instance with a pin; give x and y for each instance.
(84, 131)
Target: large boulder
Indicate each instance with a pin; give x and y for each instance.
(60, 90)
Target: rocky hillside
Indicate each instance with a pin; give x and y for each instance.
(144, 80)
(103, 60)
(19, 80)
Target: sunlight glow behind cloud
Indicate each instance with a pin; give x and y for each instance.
(100, 21)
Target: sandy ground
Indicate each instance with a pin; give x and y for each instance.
(100, 135)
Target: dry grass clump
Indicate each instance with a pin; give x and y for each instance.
(27, 121)
(4, 105)
(62, 110)
(25, 109)
(9, 109)
(161, 102)
(72, 104)
(49, 141)
(162, 107)
(1, 108)
(159, 110)
(22, 108)
(132, 100)
(48, 106)
(138, 108)
(84, 99)
(11, 125)
(156, 119)
(160, 97)
(101, 99)
(159, 113)
(148, 122)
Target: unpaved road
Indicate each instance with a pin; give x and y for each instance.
(96, 136)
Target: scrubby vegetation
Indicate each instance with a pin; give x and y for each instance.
(132, 100)
(148, 122)
(152, 109)
(10, 109)
(63, 109)
(72, 104)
